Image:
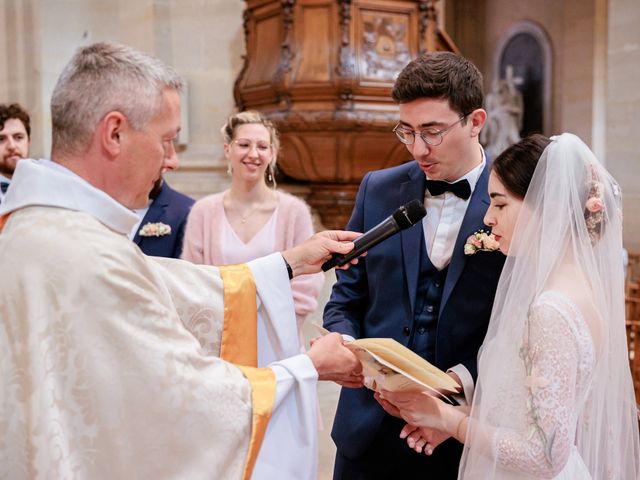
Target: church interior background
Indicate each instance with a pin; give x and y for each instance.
(574, 66)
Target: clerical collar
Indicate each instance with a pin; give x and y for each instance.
(47, 183)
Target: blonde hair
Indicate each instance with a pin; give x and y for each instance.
(253, 117)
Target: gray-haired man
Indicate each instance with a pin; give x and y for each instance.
(110, 360)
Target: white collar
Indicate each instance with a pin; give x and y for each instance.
(47, 183)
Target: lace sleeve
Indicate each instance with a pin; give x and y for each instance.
(550, 355)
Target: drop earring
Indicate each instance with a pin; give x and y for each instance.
(229, 169)
(271, 173)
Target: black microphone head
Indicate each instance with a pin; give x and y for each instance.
(409, 214)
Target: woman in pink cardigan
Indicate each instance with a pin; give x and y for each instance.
(251, 219)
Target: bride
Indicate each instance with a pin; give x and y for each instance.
(554, 396)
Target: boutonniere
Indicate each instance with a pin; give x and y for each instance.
(480, 241)
(155, 230)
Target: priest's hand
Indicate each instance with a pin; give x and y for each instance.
(332, 359)
(309, 256)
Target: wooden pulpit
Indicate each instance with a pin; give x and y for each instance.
(323, 70)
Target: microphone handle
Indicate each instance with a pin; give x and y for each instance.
(364, 242)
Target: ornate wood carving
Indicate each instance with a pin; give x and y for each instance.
(385, 45)
(323, 71)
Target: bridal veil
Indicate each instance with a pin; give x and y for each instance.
(568, 238)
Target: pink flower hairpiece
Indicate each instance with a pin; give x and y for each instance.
(594, 208)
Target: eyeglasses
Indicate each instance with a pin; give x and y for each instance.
(243, 144)
(429, 136)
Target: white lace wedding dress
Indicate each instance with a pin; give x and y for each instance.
(557, 357)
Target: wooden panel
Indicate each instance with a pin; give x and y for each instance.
(633, 339)
(302, 155)
(263, 50)
(315, 44)
(374, 151)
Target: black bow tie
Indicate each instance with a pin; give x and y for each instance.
(460, 189)
(3, 187)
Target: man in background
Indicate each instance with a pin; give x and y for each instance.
(160, 230)
(15, 136)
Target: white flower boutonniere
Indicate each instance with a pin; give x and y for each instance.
(155, 230)
(480, 241)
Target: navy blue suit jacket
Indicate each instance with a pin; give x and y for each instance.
(171, 208)
(376, 298)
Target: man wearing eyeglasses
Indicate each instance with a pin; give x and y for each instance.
(419, 287)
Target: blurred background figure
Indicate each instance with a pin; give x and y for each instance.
(252, 218)
(505, 109)
(15, 136)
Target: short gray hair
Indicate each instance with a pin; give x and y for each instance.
(102, 78)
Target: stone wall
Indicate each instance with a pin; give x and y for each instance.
(622, 116)
(202, 40)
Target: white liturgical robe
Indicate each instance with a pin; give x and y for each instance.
(109, 361)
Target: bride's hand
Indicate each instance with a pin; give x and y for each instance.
(420, 438)
(418, 409)
(386, 406)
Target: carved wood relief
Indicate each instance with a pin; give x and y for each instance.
(385, 47)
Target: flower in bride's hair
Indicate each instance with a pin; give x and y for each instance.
(594, 204)
(594, 207)
(480, 241)
(155, 230)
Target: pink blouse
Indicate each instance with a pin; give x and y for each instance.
(293, 225)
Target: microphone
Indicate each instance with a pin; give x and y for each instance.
(404, 217)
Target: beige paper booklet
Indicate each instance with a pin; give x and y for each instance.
(389, 365)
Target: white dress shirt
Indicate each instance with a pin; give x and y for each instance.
(444, 217)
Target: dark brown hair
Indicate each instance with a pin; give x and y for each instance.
(443, 75)
(515, 166)
(7, 112)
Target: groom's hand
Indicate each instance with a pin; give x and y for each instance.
(332, 359)
(309, 256)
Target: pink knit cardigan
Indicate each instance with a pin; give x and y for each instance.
(293, 226)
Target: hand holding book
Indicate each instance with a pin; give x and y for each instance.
(389, 365)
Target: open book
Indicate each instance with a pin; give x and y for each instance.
(389, 365)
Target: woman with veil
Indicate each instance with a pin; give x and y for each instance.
(554, 396)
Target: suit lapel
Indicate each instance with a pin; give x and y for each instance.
(473, 221)
(155, 212)
(411, 238)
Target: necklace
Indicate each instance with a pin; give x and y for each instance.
(247, 214)
(244, 216)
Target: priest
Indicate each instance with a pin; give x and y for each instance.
(118, 365)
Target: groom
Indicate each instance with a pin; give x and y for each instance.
(419, 287)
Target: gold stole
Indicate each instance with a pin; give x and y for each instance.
(240, 346)
(3, 221)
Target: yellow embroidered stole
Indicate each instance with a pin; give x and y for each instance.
(240, 329)
(3, 221)
(240, 346)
